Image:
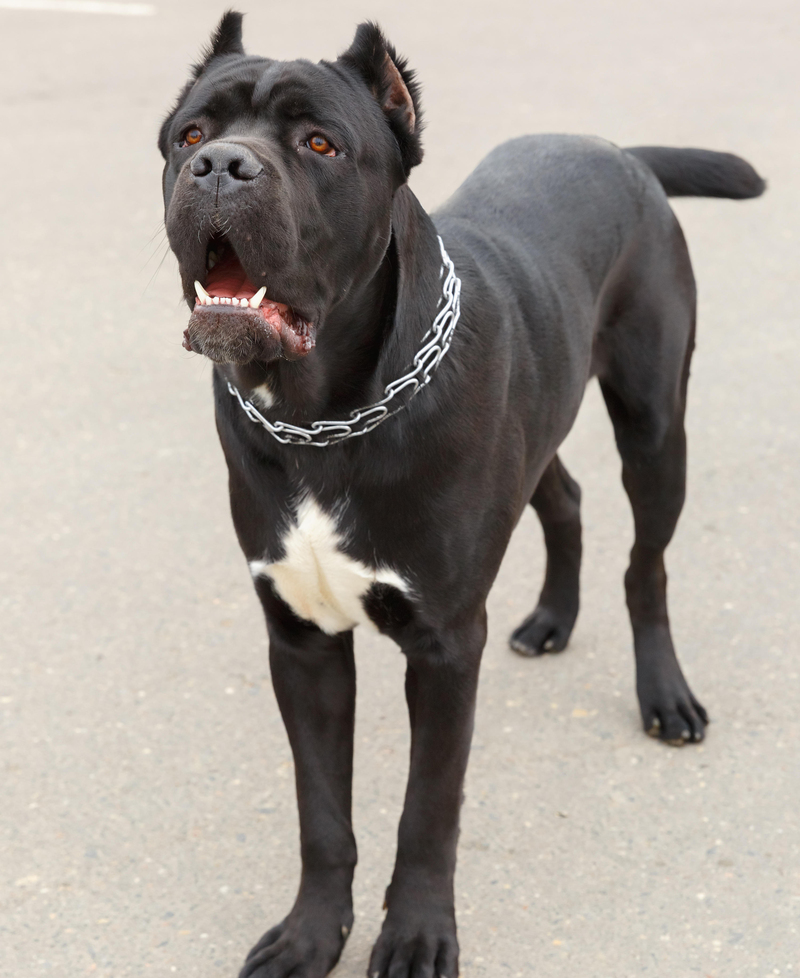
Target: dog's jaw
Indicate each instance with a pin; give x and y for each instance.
(242, 333)
(232, 322)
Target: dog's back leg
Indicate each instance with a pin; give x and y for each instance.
(644, 381)
(557, 501)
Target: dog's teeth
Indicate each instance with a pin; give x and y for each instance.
(201, 292)
(215, 300)
(244, 303)
(255, 300)
(212, 259)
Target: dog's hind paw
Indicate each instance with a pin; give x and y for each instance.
(545, 630)
(670, 711)
(683, 722)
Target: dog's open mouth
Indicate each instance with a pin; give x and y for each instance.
(233, 322)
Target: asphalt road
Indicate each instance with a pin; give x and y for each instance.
(148, 824)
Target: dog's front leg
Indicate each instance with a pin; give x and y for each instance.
(315, 683)
(418, 939)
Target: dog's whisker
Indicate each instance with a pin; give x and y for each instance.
(164, 256)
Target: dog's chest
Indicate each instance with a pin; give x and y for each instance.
(316, 578)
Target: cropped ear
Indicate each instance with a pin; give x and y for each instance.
(393, 86)
(226, 39)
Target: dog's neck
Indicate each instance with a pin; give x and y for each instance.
(369, 339)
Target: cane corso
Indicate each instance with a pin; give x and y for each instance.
(391, 391)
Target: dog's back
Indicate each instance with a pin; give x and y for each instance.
(571, 192)
(582, 229)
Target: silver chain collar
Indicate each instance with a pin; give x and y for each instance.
(435, 344)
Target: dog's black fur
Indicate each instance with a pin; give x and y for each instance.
(573, 265)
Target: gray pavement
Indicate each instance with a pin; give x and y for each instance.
(147, 823)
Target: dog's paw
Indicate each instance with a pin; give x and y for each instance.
(307, 944)
(545, 630)
(421, 944)
(671, 713)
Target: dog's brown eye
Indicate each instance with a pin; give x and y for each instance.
(321, 145)
(192, 137)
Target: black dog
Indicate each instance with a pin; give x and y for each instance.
(447, 370)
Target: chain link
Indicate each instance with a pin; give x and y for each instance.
(435, 344)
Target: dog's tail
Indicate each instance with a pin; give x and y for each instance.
(700, 172)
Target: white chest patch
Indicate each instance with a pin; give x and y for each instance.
(318, 581)
(262, 396)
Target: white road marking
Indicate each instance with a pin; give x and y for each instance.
(82, 7)
(318, 581)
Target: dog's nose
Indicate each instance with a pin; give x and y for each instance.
(224, 166)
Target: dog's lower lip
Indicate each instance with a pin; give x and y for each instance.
(278, 314)
(239, 329)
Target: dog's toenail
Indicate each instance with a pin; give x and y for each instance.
(548, 645)
(345, 931)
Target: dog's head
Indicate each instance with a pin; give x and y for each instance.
(278, 188)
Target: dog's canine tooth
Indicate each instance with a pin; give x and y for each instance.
(255, 301)
(202, 295)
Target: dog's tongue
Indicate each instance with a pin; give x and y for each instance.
(228, 278)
